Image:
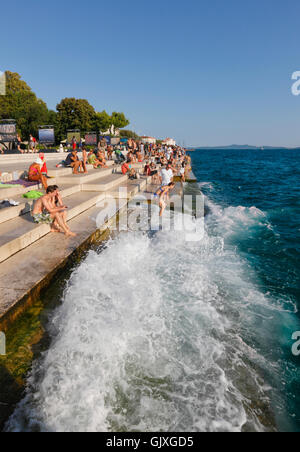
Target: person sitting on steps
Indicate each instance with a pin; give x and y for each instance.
(73, 161)
(35, 173)
(45, 211)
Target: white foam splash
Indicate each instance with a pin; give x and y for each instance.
(150, 338)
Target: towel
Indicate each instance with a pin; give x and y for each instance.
(24, 183)
(33, 194)
(10, 185)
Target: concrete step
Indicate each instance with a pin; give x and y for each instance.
(10, 193)
(128, 190)
(19, 166)
(26, 205)
(28, 158)
(105, 183)
(57, 172)
(62, 171)
(18, 233)
(80, 179)
(27, 269)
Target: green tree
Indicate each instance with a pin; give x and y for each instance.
(21, 103)
(74, 114)
(129, 134)
(102, 121)
(119, 120)
(105, 122)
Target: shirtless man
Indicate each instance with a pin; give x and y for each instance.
(46, 212)
(58, 202)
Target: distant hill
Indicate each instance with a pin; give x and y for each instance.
(245, 147)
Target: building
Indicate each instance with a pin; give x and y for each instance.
(169, 142)
(148, 140)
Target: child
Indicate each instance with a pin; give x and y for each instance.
(84, 157)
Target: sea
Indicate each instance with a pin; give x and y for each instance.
(155, 333)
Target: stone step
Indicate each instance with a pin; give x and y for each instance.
(27, 269)
(10, 193)
(128, 190)
(62, 171)
(18, 233)
(80, 179)
(26, 205)
(28, 158)
(105, 183)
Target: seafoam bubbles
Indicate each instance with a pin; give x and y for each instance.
(151, 336)
(147, 339)
(236, 221)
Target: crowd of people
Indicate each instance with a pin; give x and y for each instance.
(161, 163)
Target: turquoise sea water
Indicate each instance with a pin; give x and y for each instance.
(157, 333)
(238, 181)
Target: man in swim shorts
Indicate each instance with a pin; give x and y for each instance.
(46, 212)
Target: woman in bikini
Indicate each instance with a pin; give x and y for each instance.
(35, 174)
(163, 193)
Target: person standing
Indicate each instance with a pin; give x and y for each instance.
(84, 157)
(182, 172)
(44, 169)
(164, 194)
(167, 175)
(19, 141)
(74, 143)
(31, 143)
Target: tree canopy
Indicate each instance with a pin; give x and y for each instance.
(74, 114)
(118, 120)
(21, 103)
(30, 112)
(129, 134)
(102, 121)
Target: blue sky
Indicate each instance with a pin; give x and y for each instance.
(209, 72)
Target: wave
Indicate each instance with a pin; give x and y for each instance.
(155, 333)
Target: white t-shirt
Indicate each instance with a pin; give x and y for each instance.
(167, 176)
